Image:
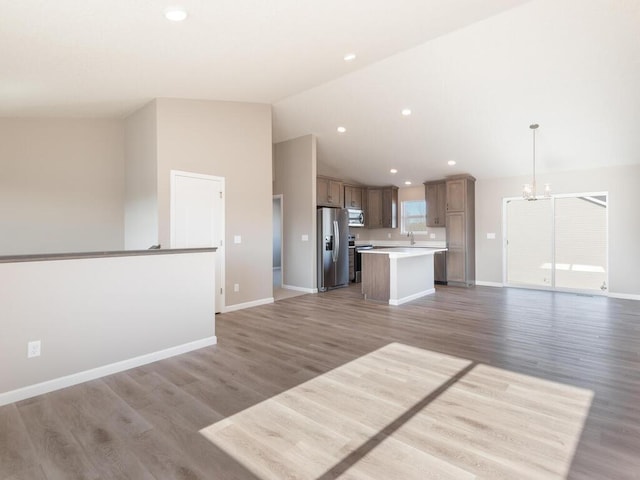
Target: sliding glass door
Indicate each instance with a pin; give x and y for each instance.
(558, 243)
(529, 243)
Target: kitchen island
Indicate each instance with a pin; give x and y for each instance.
(398, 274)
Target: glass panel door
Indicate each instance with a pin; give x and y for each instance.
(529, 243)
(558, 243)
(581, 242)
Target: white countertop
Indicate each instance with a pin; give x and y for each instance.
(402, 252)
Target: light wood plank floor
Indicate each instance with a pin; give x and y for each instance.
(467, 383)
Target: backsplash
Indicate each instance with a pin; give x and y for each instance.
(393, 234)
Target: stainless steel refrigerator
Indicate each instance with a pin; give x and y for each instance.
(333, 248)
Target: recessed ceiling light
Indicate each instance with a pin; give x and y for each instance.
(393, 170)
(341, 129)
(175, 14)
(349, 57)
(407, 182)
(406, 112)
(451, 162)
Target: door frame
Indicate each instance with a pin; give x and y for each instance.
(281, 198)
(553, 287)
(220, 252)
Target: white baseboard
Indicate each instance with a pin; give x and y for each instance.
(624, 296)
(300, 289)
(409, 298)
(87, 375)
(489, 284)
(242, 306)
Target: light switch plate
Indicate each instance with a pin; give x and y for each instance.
(491, 236)
(305, 238)
(237, 239)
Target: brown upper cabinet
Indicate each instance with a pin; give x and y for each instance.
(436, 201)
(382, 207)
(353, 197)
(457, 194)
(329, 192)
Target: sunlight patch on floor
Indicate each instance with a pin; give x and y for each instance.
(405, 412)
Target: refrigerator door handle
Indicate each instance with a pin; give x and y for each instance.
(336, 236)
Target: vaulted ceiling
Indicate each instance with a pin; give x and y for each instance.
(475, 74)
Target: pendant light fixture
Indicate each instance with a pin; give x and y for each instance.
(529, 189)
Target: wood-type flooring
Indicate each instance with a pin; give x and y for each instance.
(468, 383)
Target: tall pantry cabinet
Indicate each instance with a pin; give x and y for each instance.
(460, 221)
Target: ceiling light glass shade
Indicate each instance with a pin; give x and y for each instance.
(175, 14)
(529, 189)
(341, 130)
(406, 112)
(349, 57)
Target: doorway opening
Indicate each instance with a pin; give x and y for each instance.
(559, 243)
(277, 242)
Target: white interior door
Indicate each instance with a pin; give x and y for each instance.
(197, 218)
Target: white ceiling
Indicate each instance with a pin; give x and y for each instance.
(475, 73)
(571, 66)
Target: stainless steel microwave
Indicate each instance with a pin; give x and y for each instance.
(356, 218)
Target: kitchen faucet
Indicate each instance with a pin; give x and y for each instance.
(412, 240)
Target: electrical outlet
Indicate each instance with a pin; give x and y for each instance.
(432, 236)
(357, 236)
(388, 235)
(33, 349)
(491, 236)
(237, 239)
(304, 237)
(236, 287)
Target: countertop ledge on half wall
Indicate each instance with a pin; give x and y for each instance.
(44, 257)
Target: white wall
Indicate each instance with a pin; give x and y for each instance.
(61, 185)
(295, 178)
(89, 313)
(141, 179)
(624, 221)
(230, 140)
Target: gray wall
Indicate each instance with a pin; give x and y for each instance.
(61, 185)
(624, 220)
(230, 140)
(141, 179)
(295, 179)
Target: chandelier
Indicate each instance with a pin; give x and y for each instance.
(529, 189)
